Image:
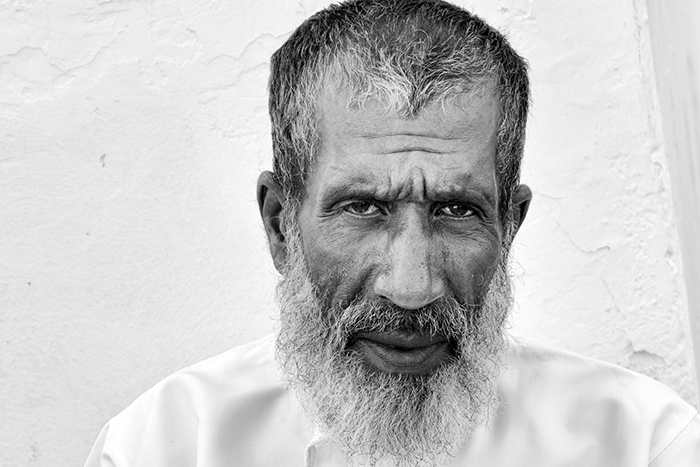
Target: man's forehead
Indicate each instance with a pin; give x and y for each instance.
(468, 114)
(448, 147)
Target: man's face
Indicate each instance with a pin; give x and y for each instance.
(404, 210)
(395, 287)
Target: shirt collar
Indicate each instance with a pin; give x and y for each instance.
(323, 452)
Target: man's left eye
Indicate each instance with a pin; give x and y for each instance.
(361, 208)
(456, 210)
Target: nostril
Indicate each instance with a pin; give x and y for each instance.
(408, 294)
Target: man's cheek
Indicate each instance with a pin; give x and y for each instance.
(468, 270)
(341, 261)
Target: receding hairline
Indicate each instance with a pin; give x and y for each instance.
(339, 88)
(333, 98)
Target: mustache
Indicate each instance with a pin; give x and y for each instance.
(444, 317)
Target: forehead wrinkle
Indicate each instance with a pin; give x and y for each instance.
(450, 131)
(450, 136)
(447, 139)
(402, 145)
(354, 142)
(374, 114)
(413, 183)
(384, 185)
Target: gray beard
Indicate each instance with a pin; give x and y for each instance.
(382, 418)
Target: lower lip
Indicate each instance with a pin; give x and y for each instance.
(389, 359)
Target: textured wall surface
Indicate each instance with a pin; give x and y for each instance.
(131, 136)
(602, 268)
(675, 32)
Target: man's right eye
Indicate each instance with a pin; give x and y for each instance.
(362, 208)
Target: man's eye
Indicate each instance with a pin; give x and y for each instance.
(361, 208)
(456, 210)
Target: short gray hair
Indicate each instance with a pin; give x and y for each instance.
(408, 54)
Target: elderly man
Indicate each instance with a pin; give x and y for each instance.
(398, 130)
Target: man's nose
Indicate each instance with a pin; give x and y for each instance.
(408, 276)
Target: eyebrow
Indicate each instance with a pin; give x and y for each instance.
(365, 188)
(355, 187)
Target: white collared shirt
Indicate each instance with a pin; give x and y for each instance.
(558, 409)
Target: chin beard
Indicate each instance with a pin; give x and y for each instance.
(383, 418)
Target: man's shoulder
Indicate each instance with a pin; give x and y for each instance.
(244, 369)
(573, 397)
(239, 373)
(544, 366)
(244, 364)
(212, 409)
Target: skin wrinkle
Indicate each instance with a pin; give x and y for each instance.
(479, 130)
(413, 126)
(355, 186)
(408, 133)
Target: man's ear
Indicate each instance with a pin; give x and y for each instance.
(271, 204)
(521, 203)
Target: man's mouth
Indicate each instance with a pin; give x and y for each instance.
(402, 352)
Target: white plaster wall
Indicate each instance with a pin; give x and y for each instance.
(601, 237)
(675, 32)
(131, 136)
